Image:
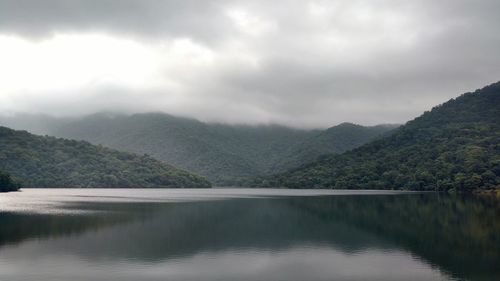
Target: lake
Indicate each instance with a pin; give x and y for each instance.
(246, 234)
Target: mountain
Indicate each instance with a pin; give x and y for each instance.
(37, 161)
(38, 124)
(222, 153)
(7, 184)
(337, 139)
(455, 146)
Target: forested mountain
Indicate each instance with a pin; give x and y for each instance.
(7, 183)
(337, 139)
(37, 161)
(222, 153)
(218, 152)
(454, 146)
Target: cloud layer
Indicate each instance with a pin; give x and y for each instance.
(300, 63)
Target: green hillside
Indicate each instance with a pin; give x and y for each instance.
(454, 146)
(37, 161)
(222, 153)
(337, 139)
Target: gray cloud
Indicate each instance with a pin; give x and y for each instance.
(143, 18)
(299, 63)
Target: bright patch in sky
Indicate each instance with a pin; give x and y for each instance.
(249, 23)
(68, 62)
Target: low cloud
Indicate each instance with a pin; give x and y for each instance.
(300, 63)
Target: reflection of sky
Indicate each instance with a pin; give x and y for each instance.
(54, 200)
(301, 263)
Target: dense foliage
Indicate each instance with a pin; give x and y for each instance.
(456, 146)
(337, 139)
(38, 161)
(220, 152)
(7, 183)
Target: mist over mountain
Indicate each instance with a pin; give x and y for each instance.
(343, 140)
(315, 63)
(222, 153)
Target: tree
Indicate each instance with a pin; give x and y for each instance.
(7, 184)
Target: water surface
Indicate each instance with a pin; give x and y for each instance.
(246, 234)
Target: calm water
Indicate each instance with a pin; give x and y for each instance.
(246, 234)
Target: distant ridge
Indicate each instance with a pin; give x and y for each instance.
(337, 139)
(223, 153)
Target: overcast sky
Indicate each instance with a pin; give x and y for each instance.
(300, 63)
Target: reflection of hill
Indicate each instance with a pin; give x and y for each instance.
(185, 229)
(17, 227)
(459, 235)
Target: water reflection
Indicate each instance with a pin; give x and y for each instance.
(419, 237)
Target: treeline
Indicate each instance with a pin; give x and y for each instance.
(38, 161)
(222, 153)
(456, 146)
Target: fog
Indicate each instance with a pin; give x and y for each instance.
(297, 63)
